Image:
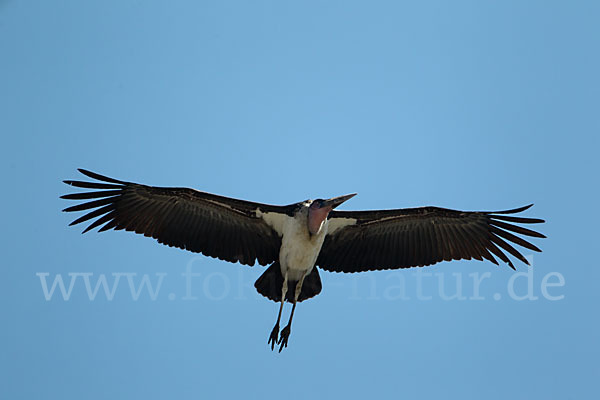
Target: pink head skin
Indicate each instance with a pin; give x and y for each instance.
(320, 209)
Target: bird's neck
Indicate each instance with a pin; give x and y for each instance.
(316, 219)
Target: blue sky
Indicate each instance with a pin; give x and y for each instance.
(470, 105)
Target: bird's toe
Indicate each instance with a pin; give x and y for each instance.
(283, 338)
(273, 338)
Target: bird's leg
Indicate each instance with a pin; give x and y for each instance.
(285, 333)
(275, 331)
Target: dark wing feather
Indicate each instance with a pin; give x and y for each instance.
(213, 225)
(391, 239)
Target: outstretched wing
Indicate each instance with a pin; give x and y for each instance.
(391, 239)
(216, 226)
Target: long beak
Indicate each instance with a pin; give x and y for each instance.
(336, 201)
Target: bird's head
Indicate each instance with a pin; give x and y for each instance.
(319, 209)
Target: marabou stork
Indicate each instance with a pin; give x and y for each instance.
(296, 238)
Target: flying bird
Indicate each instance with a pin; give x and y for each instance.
(295, 239)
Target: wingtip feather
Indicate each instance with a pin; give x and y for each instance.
(99, 177)
(512, 211)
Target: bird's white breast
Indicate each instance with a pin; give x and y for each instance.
(299, 249)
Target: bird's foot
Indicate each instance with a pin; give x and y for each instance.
(273, 337)
(283, 339)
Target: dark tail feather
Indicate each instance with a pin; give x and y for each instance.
(310, 287)
(270, 283)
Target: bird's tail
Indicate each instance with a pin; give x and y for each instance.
(270, 283)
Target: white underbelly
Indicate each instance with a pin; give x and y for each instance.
(299, 251)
